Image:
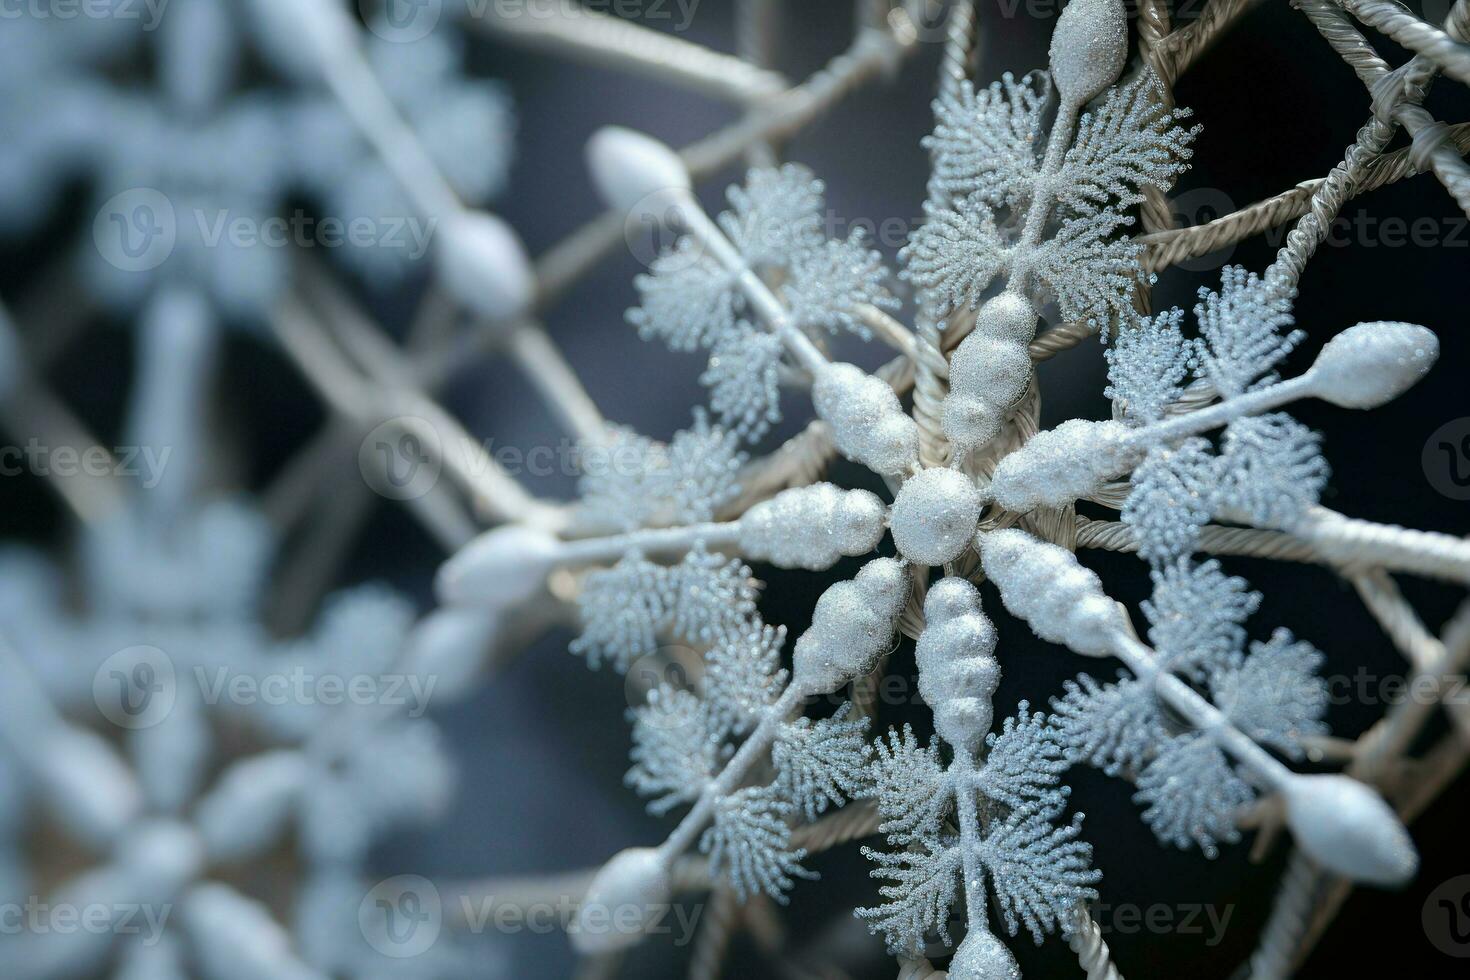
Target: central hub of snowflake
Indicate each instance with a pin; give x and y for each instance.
(934, 517)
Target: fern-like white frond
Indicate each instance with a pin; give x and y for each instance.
(1039, 871)
(924, 883)
(750, 843)
(1192, 795)
(673, 755)
(1147, 364)
(822, 763)
(1240, 325)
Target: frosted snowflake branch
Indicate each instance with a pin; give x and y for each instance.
(1340, 822)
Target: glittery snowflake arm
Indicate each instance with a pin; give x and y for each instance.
(745, 830)
(647, 181)
(1340, 822)
(1038, 871)
(1363, 367)
(1092, 170)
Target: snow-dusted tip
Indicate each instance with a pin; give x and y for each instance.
(983, 957)
(1346, 827)
(812, 527)
(452, 646)
(852, 626)
(1088, 48)
(934, 516)
(630, 894)
(1045, 585)
(498, 569)
(1061, 465)
(635, 173)
(483, 265)
(1373, 363)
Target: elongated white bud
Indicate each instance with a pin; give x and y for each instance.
(483, 265)
(1060, 465)
(869, 425)
(1346, 827)
(934, 516)
(90, 788)
(636, 174)
(629, 894)
(250, 803)
(1088, 48)
(452, 646)
(989, 371)
(812, 527)
(236, 937)
(958, 672)
(852, 627)
(1373, 363)
(983, 957)
(1045, 585)
(498, 569)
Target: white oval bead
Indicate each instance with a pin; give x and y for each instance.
(636, 174)
(983, 957)
(958, 672)
(1045, 585)
(481, 264)
(498, 569)
(934, 516)
(1346, 827)
(1373, 363)
(1060, 465)
(851, 629)
(1088, 48)
(812, 527)
(868, 422)
(635, 879)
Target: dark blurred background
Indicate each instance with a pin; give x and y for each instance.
(543, 747)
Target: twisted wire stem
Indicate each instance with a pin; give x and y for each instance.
(1087, 942)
